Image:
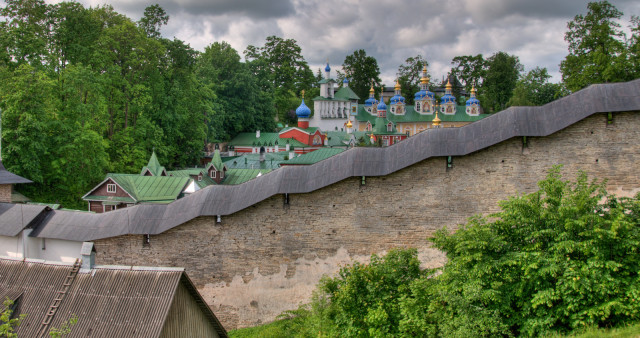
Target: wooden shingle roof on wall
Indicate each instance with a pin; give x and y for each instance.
(108, 301)
(224, 200)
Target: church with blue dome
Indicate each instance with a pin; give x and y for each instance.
(336, 107)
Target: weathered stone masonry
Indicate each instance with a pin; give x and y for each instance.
(267, 258)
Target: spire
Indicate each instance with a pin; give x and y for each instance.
(397, 86)
(436, 120)
(382, 107)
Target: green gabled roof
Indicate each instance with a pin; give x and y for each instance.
(151, 188)
(345, 93)
(153, 166)
(314, 156)
(216, 161)
(411, 115)
(239, 176)
(249, 139)
(310, 130)
(338, 138)
(252, 161)
(380, 127)
(327, 81)
(206, 180)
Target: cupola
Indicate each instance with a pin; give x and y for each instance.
(473, 104)
(303, 112)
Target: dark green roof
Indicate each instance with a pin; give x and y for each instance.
(345, 93)
(204, 182)
(411, 115)
(151, 188)
(216, 161)
(380, 127)
(249, 140)
(314, 156)
(153, 166)
(252, 161)
(310, 130)
(239, 176)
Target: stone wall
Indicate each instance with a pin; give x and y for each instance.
(5, 192)
(268, 257)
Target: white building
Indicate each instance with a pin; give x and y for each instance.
(334, 106)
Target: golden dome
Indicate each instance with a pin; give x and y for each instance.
(436, 121)
(473, 89)
(349, 125)
(397, 87)
(448, 84)
(371, 91)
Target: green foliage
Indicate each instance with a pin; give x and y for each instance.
(470, 70)
(65, 328)
(8, 324)
(409, 75)
(598, 50)
(363, 72)
(557, 261)
(502, 73)
(534, 89)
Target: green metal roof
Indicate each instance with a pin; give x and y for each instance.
(380, 127)
(252, 161)
(239, 176)
(249, 140)
(345, 93)
(411, 115)
(154, 165)
(310, 130)
(151, 188)
(188, 173)
(314, 156)
(338, 138)
(216, 161)
(326, 81)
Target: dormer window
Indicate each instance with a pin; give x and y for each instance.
(111, 188)
(222, 174)
(389, 127)
(213, 174)
(199, 177)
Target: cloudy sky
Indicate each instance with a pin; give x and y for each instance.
(389, 30)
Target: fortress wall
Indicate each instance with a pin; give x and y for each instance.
(267, 258)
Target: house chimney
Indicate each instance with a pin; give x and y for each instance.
(262, 154)
(88, 256)
(257, 133)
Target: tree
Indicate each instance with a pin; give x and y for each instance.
(470, 70)
(502, 73)
(597, 52)
(534, 89)
(285, 63)
(154, 18)
(409, 75)
(24, 35)
(8, 324)
(362, 71)
(238, 96)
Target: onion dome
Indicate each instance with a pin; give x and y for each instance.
(371, 100)
(303, 111)
(382, 106)
(397, 98)
(436, 120)
(448, 98)
(473, 100)
(327, 68)
(345, 81)
(349, 124)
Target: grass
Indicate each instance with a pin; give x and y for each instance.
(620, 332)
(271, 330)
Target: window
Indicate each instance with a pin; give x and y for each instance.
(417, 106)
(213, 174)
(385, 141)
(389, 127)
(199, 177)
(111, 188)
(222, 174)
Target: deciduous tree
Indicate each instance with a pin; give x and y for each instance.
(362, 72)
